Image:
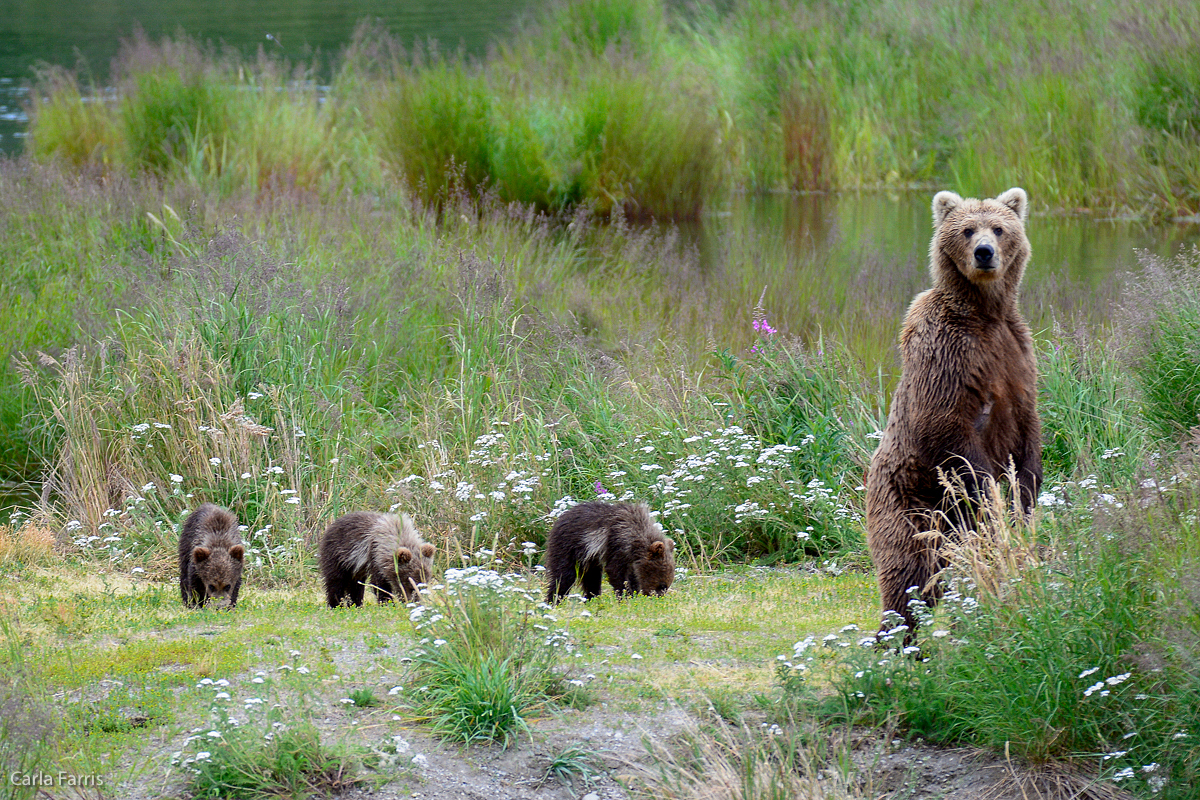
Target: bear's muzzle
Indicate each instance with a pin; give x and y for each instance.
(984, 254)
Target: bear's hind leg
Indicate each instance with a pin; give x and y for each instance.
(592, 580)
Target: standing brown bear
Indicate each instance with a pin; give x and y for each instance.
(621, 539)
(385, 549)
(210, 556)
(967, 397)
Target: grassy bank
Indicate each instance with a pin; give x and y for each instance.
(656, 112)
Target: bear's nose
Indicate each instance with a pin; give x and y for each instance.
(983, 255)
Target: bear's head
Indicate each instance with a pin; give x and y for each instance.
(412, 563)
(980, 241)
(220, 569)
(655, 571)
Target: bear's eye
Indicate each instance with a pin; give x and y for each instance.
(998, 231)
(969, 232)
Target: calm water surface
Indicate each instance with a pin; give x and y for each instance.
(63, 31)
(840, 234)
(847, 265)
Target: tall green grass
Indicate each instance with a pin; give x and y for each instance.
(1162, 320)
(481, 346)
(637, 108)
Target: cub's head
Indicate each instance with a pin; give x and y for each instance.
(656, 571)
(981, 240)
(414, 568)
(413, 560)
(220, 569)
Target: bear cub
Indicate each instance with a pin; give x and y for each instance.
(385, 549)
(621, 539)
(210, 557)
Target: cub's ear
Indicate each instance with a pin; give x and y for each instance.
(403, 555)
(200, 555)
(1016, 199)
(658, 550)
(427, 550)
(943, 204)
(237, 551)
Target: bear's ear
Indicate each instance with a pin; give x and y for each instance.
(237, 551)
(657, 550)
(943, 204)
(427, 550)
(403, 555)
(200, 555)
(1016, 199)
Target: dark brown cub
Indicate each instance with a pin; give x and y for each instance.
(210, 556)
(618, 538)
(383, 549)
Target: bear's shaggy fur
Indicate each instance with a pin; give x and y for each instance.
(967, 397)
(210, 556)
(621, 539)
(384, 548)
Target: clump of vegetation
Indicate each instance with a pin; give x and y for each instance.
(1161, 317)
(767, 763)
(489, 657)
(267, 747)
(25, 544)
(28, 726)
(575, 763)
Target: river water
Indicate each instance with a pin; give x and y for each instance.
(65, 31)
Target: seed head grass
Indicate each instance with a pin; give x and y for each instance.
(771, 763)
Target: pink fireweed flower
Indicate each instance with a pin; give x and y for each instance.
(763, 327)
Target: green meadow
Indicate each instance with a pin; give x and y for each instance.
(450, 287)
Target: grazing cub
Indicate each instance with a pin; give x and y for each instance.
(384, 548)
(210, 557)
(618, 538)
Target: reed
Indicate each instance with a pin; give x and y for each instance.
(636, 107)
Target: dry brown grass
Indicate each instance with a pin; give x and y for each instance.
(30, 544)
(1053, 781)
(1001, 545)
(741, 764)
